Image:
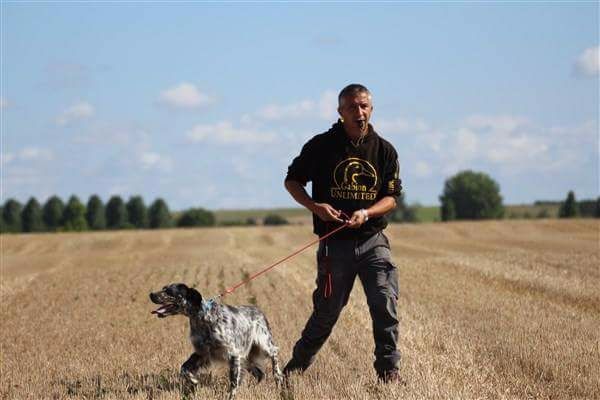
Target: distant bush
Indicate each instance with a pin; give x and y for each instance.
(233, 222)
(31, 217)
(543, 213)
(196, 217)
(569, 209)
(275, 219)
(404, 213)
(589, 208)
(251, 221)
(471, 195)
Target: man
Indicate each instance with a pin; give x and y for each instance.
(354, 174)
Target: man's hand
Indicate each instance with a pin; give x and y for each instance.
(326, 212)
(358, 218)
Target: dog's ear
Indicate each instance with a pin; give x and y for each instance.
(193, 296)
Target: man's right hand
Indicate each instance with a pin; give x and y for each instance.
(326, 212)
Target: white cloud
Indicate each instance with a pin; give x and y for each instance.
(467, 142)
(588, 62)
(185, 95)
(78, 111)
(516, 149)
(325, 107)
(422, 169)
(152, 160)
(225, 133)
(294, 110)
(36, 154)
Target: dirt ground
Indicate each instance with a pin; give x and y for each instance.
(489, 310)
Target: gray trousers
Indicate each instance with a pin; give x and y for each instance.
(370, 260)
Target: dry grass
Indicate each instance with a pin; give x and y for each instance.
(498, 310)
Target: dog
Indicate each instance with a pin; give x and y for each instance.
(239, 336)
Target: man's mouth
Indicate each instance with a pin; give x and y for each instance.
(164, 310)
(362, 124)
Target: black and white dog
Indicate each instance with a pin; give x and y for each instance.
(239, 336)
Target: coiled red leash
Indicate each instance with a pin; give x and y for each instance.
(328, 286)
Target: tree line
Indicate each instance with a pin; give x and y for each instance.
(467, 195)
(55, 215)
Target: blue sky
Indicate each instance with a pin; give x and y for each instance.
(206, 104)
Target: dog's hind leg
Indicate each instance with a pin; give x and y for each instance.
(235, 370)
(273, 354)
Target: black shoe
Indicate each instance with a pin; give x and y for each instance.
(294, 366)
(392, 377)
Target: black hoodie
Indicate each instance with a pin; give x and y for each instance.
(347, 176)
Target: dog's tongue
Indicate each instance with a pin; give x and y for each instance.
(160, 310)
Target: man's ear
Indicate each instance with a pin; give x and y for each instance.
(194, 296)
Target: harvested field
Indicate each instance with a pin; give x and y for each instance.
(489, 310)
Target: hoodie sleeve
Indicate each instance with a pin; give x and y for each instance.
(392, 184)
(302, 168)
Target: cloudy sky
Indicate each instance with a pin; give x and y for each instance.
(206, 104)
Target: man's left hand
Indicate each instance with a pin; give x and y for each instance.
(358, 218)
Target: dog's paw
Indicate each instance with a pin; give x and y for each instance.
(189, 376)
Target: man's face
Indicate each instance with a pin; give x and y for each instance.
(355, 111)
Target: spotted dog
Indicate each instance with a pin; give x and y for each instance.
(239, 336)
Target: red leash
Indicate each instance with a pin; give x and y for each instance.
(242, 283)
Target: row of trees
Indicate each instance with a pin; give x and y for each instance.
(55, 215)
(466, 195)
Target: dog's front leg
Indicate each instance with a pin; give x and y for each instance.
(235, 371)
(191, 366)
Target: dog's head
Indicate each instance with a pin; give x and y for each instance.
(175, 299)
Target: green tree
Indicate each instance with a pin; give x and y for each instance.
(196, 217)
(137, 214)
(159, 215)
(471, 195)
(53, 212)
(568, 209)
(95, 214)
(597, 213)
(11, 214)
(31, 217)
(74, 215)
(116, 213)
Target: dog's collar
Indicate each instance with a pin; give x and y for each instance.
(207, 305)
